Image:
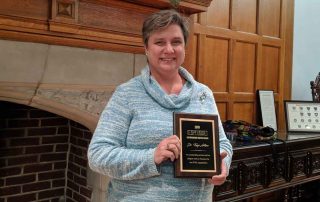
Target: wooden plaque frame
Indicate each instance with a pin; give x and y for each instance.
(200, 153)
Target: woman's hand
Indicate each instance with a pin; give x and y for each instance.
(168, 148)
(220, 179)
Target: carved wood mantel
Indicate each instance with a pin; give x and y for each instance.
(99, 24)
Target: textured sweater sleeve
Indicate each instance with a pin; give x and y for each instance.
(107, 152)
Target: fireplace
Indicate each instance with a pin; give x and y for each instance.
(50, 102)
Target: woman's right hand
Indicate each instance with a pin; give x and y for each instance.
(168, 148)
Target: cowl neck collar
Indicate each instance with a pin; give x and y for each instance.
(154, 89)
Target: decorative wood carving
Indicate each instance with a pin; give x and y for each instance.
(254, 169)
(288, 172)
(242, 177)
(308, 164)
(65, 10)
(266, 171)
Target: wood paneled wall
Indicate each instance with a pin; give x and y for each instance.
(240, 46)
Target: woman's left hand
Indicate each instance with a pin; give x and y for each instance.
(220, 179)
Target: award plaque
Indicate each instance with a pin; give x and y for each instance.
(200, 153)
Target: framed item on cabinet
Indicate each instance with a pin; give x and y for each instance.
(266, 109)
(302, 116)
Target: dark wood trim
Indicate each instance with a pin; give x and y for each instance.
(98, 24)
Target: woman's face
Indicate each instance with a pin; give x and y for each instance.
(165, 50)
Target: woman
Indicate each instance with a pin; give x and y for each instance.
(133, 143)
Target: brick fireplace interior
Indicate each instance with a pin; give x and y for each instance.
(42, 156)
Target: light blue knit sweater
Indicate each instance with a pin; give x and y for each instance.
(137, 117)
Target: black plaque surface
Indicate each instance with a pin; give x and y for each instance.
(199, 136)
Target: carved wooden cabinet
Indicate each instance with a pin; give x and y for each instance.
(260, 168)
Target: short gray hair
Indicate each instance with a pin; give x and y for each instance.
(163, 19)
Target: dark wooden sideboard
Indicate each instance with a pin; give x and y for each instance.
(267, 167)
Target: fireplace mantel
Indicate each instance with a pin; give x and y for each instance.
(98, 24)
